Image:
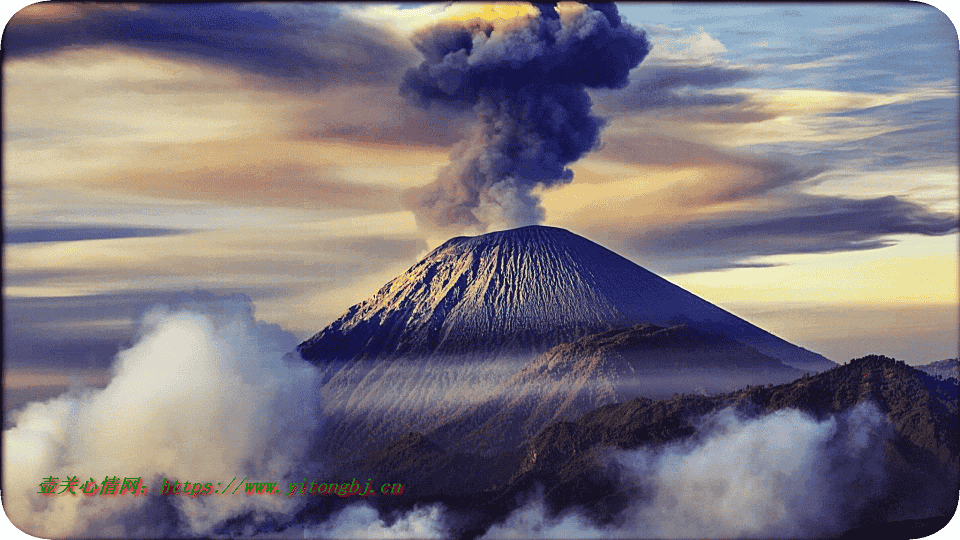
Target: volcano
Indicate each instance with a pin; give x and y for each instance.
(518, 293)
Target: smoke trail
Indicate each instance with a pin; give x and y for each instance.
(526, 80)
(205, 395)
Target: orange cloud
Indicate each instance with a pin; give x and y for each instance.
(27, 378)
(44, 12)
(488, 12)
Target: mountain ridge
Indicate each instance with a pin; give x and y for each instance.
(566, 460)
(604, 368)
(944, 368)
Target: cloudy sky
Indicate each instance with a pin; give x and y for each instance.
(795, 164)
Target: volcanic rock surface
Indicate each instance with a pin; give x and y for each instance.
(519, 293)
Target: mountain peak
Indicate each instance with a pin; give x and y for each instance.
(527, 232)
(519, 292)
(529, 238)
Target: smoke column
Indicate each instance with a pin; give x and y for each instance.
(525, 79)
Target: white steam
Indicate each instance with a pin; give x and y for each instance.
(363, 521)
(781, 475)
(204, 396)
(777, 475)
(532, 521)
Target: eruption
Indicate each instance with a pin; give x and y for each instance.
(526, 80)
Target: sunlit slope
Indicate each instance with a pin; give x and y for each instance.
(523, 291)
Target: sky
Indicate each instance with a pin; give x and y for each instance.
(795, 164)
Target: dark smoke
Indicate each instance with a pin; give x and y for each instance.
(526, 80)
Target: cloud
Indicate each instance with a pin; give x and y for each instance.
(811, 224)
(888, 49)
(820, 62)
(27, 235)
(301, 275)
(918, 333)
(730, 176)
(386, 120)
(247, 136)
(784, 474)
(696, 203)
(525, 79)
(261, 170)
(329, 150)
(79, 334)
(673, 46)
(703, 44)
(277, 183)
(675, 86)
(533, 520)
(205, 395)
(919, 132)
(363, 521)
(266, 256)
(302, 45)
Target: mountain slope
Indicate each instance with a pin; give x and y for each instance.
(520, 292)
(604, 368)
(493, 406)
(944, 368)
(922, 459)
(569, 460)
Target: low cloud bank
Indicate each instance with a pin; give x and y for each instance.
(363, 521)
(205, 395)
(533, 521)
(781, 475)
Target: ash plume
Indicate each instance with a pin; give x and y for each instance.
(526, 81)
